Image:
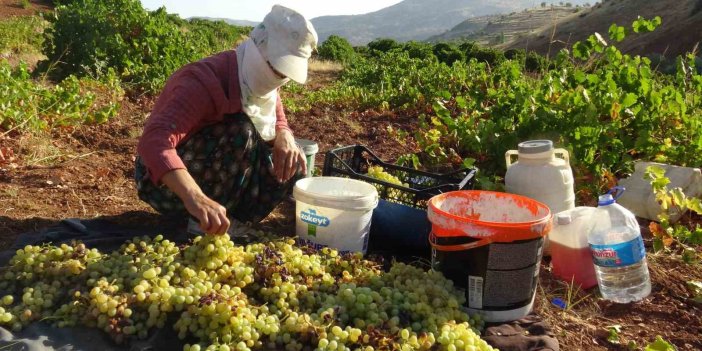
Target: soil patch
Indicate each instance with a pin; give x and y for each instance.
(18, 8)
(585, 325)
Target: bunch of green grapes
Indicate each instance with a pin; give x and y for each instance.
(223, 296)
(392, 195)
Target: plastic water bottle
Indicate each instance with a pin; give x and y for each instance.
(618, 252)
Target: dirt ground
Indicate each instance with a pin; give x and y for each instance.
(18, 8)
(87, 172)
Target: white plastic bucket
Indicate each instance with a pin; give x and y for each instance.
(334, 212)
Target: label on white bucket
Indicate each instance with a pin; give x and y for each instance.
(313, 221)
(475, 291)
(346, 231)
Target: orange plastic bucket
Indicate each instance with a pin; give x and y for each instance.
(490, 244)
(487, 215)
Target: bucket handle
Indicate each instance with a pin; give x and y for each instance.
(508, 156)
(459, 247)
(564, 153)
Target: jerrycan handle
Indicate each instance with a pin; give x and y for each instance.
(508, 156)
(616, 192)
(564, 153)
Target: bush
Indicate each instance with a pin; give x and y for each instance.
(362, 51)
(418, 50)
(212, 36)
(336, 48)
(143, 48)
(535, 62)
(28, 105)
(447, 53)
(515, 54)
(383, 45)
(19, 35)
(467, 47)
(487, 55)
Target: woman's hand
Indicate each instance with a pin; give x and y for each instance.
(211, 215)
(287, 156)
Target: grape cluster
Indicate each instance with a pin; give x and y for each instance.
(392, 194)
(221, 296)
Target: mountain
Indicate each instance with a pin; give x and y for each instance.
(497, 29)
(241, 23)
(413, 19)
(680, 31)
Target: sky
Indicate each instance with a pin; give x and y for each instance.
(255, 10)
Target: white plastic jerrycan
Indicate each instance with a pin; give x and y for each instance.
(542, 176)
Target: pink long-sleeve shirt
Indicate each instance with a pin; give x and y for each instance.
(196, 95)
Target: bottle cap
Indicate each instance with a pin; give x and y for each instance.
(535, 146)
(563, 218)
(559, 302)
(605, 200)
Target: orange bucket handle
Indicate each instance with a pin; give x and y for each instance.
(458, 247)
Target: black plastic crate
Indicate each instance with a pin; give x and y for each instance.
(399, 225)
(353, 162)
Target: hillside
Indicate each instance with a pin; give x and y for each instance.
(413, 19)
(234, 22)
(680, 32)
(494, 29)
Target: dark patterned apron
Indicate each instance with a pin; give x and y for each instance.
(231, 163)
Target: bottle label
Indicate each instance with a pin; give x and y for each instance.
(618, 255)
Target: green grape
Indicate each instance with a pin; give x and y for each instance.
(392, 194)
(270, 294)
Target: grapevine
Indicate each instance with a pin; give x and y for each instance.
(222, 296)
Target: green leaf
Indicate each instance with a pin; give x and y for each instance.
(581, 50)
(638, 25)
(468, 162)
(597, 42)
(660, 345)
(629, 100)
(579, 76)
(613, 336)
(694, 204)
(441, 110)
(656, 22)
(654, 172)
(617, 33)
(461, 102)
(679, 198)
(642, 25)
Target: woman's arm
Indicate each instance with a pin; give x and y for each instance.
(286, 154)
(281, 122)
(184, 103)
(212, 216)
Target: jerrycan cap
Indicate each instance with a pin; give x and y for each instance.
(611, 196)
(535, 146)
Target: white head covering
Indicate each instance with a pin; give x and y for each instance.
(285, 40)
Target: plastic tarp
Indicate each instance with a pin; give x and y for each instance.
(107, 236)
